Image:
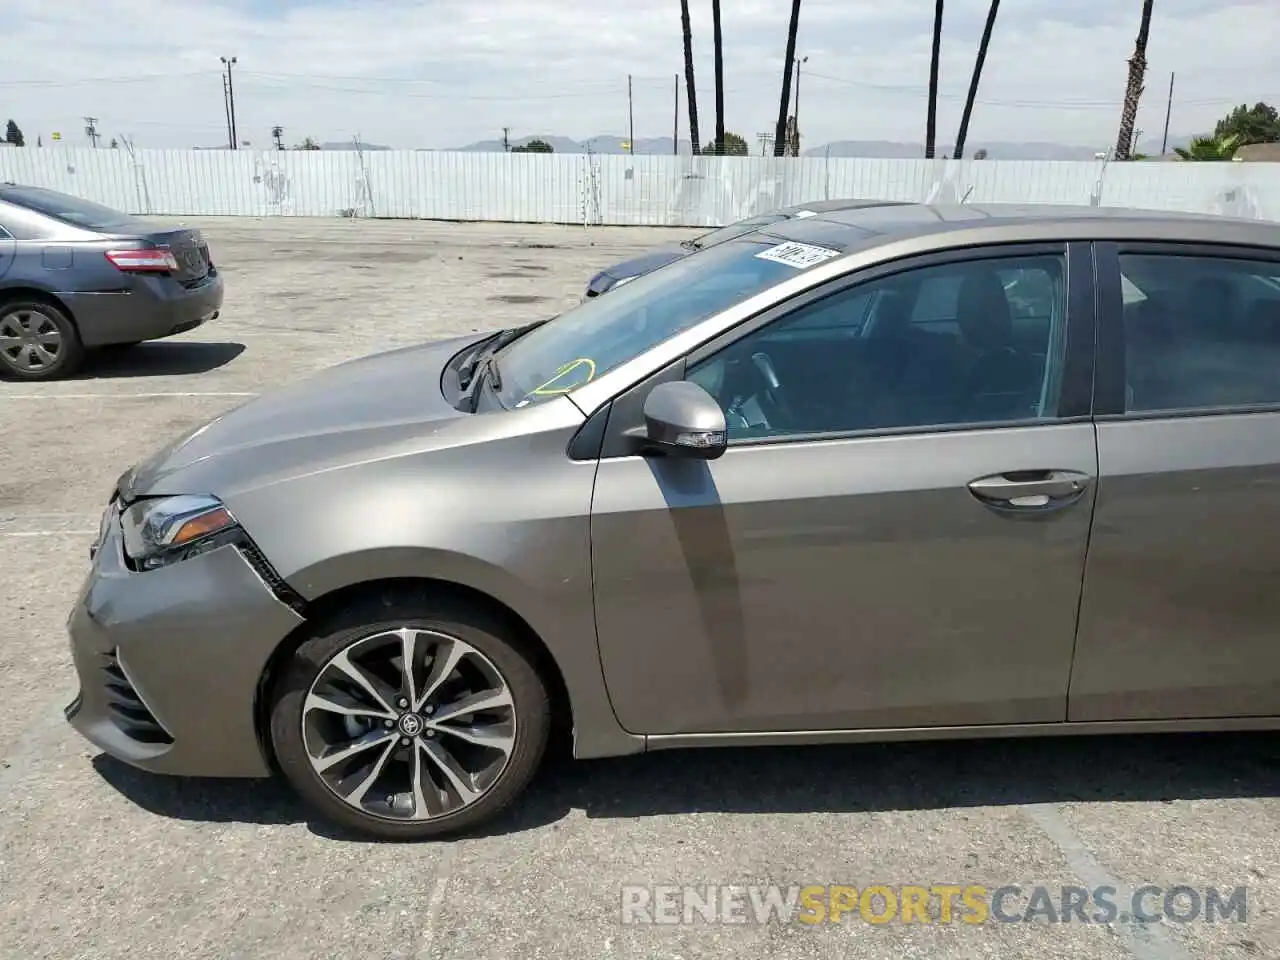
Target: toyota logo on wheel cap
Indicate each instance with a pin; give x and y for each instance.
(411, 724)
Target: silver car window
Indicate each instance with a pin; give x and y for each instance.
(604, 332)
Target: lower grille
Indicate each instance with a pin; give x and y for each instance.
(128, 712)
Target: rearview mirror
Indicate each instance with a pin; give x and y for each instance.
(682, 419)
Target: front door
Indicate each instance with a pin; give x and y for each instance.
(1181, 611)
(896, 535)
(8, 249)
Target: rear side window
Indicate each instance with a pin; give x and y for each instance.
(66, 208)
(1200, 332)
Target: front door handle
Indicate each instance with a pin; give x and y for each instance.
(1031, 488)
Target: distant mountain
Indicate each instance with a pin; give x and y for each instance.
(996, 150)
(349, 145)
(613, 145)
(873, 149)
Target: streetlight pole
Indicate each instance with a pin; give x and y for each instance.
(231, 102)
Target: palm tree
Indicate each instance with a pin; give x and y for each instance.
(688, 76)
(780, 135)
(977, 76)
(1133, 89)
(931, 124)
(719, 55)
(1210, 148)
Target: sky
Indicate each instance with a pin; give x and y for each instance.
(425, 73)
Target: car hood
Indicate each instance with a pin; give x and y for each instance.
(352, 411)
(647, 263)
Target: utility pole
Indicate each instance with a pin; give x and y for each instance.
(1168, 111)
(506, 142)
(231, 102)
(91, 130)
(226, 107)
(796, 112)
(631, 121)
(675, 127)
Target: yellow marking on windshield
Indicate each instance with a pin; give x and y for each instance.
(547, 391)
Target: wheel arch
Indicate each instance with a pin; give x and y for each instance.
(360, 596)
(28, 291)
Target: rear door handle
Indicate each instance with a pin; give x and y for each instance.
(1031, 488)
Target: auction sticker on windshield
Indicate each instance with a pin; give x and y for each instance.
(798, 255)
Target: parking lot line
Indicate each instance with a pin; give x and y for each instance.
(427, 942)
(1144, 941)
(124, 396)
(47, 533)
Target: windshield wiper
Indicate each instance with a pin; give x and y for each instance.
(487, 371)
(488, 347)
(484, 366)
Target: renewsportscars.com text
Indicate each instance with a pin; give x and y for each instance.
(971, 904)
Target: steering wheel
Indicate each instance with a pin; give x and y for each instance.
(779, 411)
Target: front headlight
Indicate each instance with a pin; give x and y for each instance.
(167, 529)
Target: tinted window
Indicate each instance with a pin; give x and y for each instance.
(1200, 332)
(66, 208)
(965, 343)
(607, 331)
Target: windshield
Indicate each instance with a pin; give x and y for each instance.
(68, 209)
(734, 230)
(602, 333)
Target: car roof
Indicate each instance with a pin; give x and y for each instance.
(864, 227)
(847, 203)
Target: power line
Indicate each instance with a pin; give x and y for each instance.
(577, 94)
(140, 78)
(916, 90)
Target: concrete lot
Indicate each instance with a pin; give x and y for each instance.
(99, 861)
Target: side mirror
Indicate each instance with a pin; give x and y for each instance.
(682, 419)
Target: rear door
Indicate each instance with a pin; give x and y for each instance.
(1181, 605)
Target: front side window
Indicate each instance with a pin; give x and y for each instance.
(602, 333)
(974, 342)
(1200, 332)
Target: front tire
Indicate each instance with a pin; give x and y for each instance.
(413, 724)
(38, 341)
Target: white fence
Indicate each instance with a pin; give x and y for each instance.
(605, 189)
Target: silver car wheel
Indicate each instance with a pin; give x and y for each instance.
(29, 340)
(409, 724)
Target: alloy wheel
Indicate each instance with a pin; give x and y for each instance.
(30, 341)
(409, 724)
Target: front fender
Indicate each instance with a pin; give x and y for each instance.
(513, 525)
